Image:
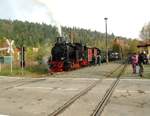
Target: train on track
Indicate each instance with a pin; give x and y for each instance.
(67, 56)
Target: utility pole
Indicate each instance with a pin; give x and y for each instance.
(106, 39)
(22, 59)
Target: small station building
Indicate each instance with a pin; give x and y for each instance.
(145, 46)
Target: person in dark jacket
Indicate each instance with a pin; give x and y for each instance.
(140, 63)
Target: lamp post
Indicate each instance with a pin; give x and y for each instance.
(106, 39)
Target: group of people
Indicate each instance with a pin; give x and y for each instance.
(137, 61)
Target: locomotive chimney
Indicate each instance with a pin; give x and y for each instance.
(60, 39)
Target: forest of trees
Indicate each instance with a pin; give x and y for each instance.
(27, 34)
(43, 36)
(34, 34)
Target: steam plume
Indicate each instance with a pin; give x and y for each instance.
(42, 3)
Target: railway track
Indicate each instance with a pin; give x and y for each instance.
(101, 105)
(62, 108)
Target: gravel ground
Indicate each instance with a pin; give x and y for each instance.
(131, 98)
(40, 96)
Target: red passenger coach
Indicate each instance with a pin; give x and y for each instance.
(95, 52)
(90, 54)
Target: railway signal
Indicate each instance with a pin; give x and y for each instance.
(10, 50)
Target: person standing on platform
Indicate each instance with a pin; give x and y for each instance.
(140, 63)
(134, 62)
(99, 59)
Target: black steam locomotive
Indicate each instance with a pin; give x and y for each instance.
(67, 56)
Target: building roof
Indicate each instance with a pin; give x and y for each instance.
(144, 44)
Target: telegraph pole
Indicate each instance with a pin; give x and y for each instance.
(106, 39)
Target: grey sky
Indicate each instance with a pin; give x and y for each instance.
(125, 17)
(6, 10)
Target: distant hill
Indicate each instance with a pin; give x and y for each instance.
(35, 34)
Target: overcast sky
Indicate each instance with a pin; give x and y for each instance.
(125, 17)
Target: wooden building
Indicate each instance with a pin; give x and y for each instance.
(145, 46)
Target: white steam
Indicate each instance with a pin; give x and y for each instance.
(43, 3)
(59, 29)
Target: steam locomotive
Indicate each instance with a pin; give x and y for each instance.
(68, 56)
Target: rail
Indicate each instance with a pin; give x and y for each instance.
(100, 107)
(77, 96)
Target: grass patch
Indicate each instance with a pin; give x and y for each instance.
(33, 71)
(147, 71)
